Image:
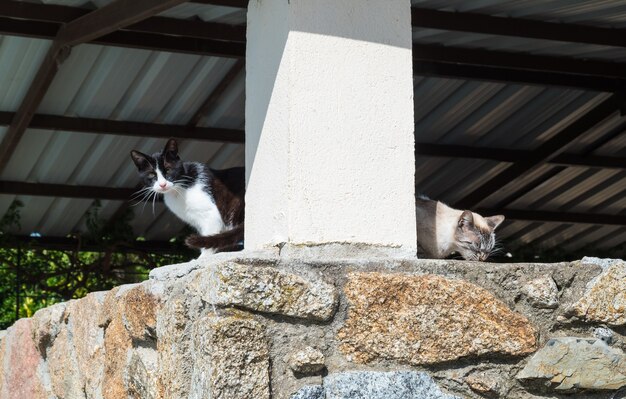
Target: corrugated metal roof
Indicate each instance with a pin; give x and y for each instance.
(146, 86)
(119, 84)
(512, 116)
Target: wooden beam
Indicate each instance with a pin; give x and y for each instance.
(131, 39)
(71, 244)
(191, 28)
(128, 128)
(518, 61)
(66, 191)
(29, 14)
(516, 27)
(437, 68)
(100, 22)
(556, 217)
(41, 12)
(137, 129)
(110, 18)
(124, 194)
(175, 44)
(547, 151)
(512, 156)
(224, 3)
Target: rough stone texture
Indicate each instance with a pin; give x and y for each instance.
(542, 292)
(21, 361)
(160, 339)
(485, 383)
(117, 343)
(428, 319)
(268, 290)
(605, 298)
(88, 341)
(307, 361)
(572, 364)
(130, 320)
(175, 344)
(66, 378)
(232, 359)
(46, 325)
(141, 372)
(138, 311)
(310, 392)
(379, 385)
(604, 334)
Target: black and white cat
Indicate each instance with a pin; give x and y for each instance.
(211, 201)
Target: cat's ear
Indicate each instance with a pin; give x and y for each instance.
(466, 220)
(494, 221)
(170, 152)
(140, 160)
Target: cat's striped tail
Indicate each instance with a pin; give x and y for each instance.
(230, 240)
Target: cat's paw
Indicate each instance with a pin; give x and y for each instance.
(206, 252)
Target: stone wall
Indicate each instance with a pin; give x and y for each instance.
(251, 326)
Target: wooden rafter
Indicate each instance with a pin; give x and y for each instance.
(512, 156)
(132, 39)
(546, 152)
(518, 67)
(70, 244)
(129, 128)
(225, 3)
(65, 190)
(519, 61)
(438, 68)
(516, 27)
(556, 217)
(32, 13)
(124, 194)
(100, 22)
(110, 18)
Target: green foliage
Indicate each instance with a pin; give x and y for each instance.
(32, 277)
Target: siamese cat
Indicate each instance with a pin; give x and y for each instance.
(442, 230)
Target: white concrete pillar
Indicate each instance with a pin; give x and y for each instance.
(329, 123)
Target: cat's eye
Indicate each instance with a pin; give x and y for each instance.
(151, 175)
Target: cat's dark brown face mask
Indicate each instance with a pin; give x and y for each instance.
(474, 236)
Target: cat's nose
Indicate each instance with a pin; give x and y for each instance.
(163, 184)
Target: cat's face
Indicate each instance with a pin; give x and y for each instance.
(161, 172)
(474, 237)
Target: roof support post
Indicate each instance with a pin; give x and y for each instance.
(329, 125)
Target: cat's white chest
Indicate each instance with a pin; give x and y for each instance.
(197, 208)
